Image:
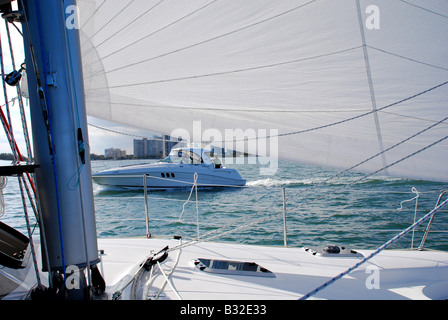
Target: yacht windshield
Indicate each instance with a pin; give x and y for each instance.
(166, 160)
(171, 159)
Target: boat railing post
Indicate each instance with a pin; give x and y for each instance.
(145, 190)
(284, 217)
(420, 248)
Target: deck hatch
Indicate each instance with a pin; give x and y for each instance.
(242, 268)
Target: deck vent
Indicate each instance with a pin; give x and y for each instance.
(333, 251)
(241, 268)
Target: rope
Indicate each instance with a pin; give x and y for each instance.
(241, 222)
(405, 158)
(194, 187)
(414, 190)
(377, 251)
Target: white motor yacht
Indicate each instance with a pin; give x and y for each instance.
(178, 170)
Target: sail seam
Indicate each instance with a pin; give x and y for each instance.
(131, 21)
(370, 81)
(214, 38)
(161, 29)
(240, 70)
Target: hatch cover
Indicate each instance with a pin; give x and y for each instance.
(242, 268)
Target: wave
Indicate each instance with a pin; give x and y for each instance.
(270, 182)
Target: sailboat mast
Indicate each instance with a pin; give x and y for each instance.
(59, 127)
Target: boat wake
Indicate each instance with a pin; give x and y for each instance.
(279, 183)
(272, 182)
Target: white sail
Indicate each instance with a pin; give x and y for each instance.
(333, 82)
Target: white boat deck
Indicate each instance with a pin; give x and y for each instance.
(389, 275)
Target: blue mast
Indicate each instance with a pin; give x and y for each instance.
(59, 128)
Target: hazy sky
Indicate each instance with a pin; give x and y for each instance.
(99, 139)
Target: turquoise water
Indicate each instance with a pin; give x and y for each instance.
(342, 211)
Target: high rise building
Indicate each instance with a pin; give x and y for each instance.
(154, 148)
(114, 153)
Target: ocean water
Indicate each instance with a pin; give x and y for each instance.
(347, 210)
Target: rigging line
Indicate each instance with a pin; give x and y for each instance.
(404, 158)
(371, 158)
(410, 117)
(161, 29)
(237, 224)
(406, 58)
(30, 233)
(425, 9)
(215, 38)
(14, 146)
(365, 176)
(211, 234)
(305, 130)
(19, 95)
(17, 28)
(376, 252)
(131, 21)
(240, 70)
(10, 134)
(12, 142)
(355, 117)
(203, 237)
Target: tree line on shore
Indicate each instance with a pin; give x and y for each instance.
(10, 157)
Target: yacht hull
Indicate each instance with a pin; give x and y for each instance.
(170, 176)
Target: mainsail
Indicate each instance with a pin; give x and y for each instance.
(348, 83)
